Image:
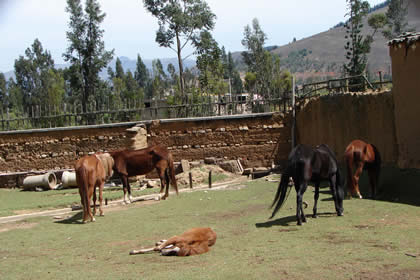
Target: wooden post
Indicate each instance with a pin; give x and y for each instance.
(210, 179)
(380, 79)
(347, 85)
(8, 119)
(191, 182)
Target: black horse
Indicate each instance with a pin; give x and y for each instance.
(306, 164)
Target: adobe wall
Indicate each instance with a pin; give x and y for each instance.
(406, 90)
(337, 120)
(256, 139)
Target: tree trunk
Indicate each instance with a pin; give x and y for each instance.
(181, 67)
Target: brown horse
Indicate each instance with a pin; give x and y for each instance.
(194, 241)
(140, 162)
(91, 172)
(363, 156)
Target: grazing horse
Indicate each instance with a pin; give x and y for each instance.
(140, 162)
(306, 164)
(194, 241)
(363, 156)
(91, 172)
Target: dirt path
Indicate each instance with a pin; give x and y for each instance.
(235, 183)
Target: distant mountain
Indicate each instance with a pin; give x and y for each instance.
(127, 64)
(324, 54)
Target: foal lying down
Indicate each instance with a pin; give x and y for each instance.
(194, 241)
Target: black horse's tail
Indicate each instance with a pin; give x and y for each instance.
(377, 162)
(282, 193)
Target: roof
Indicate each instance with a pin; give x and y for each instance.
(407, 37)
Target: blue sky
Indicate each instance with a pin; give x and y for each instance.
(130, 29)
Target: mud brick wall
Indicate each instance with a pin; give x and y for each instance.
(57, 148)
(258, 140)
(337, 120)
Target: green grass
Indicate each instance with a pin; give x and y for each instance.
(369, 242)
(13, 201)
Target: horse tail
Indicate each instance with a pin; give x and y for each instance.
(349, 156)
(282, 193)
(378, 162)
(172, 173)
(82, 182)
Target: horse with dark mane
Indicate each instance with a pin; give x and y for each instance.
(306, 164)
(91, 172)
(140, 162)
(363, 156)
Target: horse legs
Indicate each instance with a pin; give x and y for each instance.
(161, 172)
(300, 190)
(94, 200)
(126, 188)
(101, 188)
(356, 177)
(333, 186)
(316, 196)
(82, 200)
(90, 192)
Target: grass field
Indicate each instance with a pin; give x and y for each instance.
(373, 240)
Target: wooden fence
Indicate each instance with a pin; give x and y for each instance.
(46, 116)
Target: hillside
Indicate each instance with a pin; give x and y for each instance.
(324, 54)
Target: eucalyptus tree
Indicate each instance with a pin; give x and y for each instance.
(258, 60)
(209, 63)
(180, 22)
(86, 51)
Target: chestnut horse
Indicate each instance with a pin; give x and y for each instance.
(140, 162)
(363, 156)
(91, 172)
(306, 164)
(194, 241)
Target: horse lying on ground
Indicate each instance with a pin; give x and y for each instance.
(363, 156)
(140, 162)
(192, 242)
(305, 165)
(91, 172)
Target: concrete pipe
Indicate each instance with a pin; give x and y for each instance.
(68, 179)
(46, 181)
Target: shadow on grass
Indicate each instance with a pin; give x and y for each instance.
(395, 185)
(291, 220)
(75, 219)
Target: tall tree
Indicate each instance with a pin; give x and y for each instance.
(119, 70)
(3, 90)
(180, 22)
(358, 45)
(141, 74)
(258, 60)
(209, 63)
(86, 51)
(397, 19)
(32, 73)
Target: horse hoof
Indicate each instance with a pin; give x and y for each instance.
(314, 216)
(102, 214)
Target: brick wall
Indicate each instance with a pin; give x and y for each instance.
(257, 139)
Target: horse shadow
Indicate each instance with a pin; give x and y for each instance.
(76, 219)
(291, 220)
